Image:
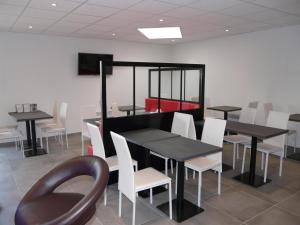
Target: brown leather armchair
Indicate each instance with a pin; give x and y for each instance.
(41, 205)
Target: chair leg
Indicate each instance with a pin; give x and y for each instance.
(151, 196)
(176, 175)
(262, 161)
(170, 201)
(186, 173)
(166, 167)
(199, 188)
(67, 142)
(172, 169)
(105, 196)
(243, 162)
(266, 167)
(194, 174)
(280, 166)
(233, 156)
(133, 213)
(82, 145)
(219, 182)
(16, 144)
(47, 141)
(120, 203)
(295, 143)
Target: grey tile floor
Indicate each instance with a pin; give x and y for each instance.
(275, 203)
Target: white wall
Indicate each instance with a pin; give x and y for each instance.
(262, 66)
(41, 69)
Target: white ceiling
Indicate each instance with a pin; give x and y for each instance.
(198, 19)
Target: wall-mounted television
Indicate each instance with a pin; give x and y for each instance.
(89, 63)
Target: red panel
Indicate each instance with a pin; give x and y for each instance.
(89, 150)
(168, 105)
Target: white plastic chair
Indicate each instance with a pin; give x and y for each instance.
(57, 129)
(130, 182)
(12, 134)
(247, 116)
(213, 133)
(52, 121)
(253, 104)
(273, 145)
(86, 112)
(98, 150)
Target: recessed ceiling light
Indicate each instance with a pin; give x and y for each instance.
(161, 20)
(161, 32)
(53, 4)
(30, 27)
(113, 34)
(226, 30)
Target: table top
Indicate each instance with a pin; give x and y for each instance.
(142, 136)
(25, 116)
(295, 117)
(95, 121)
(225, 108)
(181, 149)
(261, 132)
(130, 108)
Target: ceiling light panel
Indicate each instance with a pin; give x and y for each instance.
(161, 32)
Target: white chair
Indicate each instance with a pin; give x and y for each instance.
(269, 107)
(130, 182)
(98, 150)
(273, 145)
(213, 133)
(247, 116)
(86, 112)
(180, 126)
(12, 134)
(52, 121)
(57, 129)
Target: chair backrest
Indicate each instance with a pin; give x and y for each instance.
(55, 110)
(213, 131)
(253, 104)
(126, 173)
(63, 113)
(87, 112)
(180, 124)
(277, 120)
(247, 115)
(98, 147)
(267, 108)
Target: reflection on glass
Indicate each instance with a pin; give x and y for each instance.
(117, 100)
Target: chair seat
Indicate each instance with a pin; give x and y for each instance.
(9, 134)
(201, 164)
(266, 148)
(237, 139)
(149, 178)
(113, 165)
(53, 128)
(158, 155)
(47, 208)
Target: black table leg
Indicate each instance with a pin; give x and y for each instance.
(128, 112)
(225, 115)
(28, 131)
(33, 135)
(249, 177)
(182, 209)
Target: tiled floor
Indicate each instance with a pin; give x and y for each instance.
(275, 203)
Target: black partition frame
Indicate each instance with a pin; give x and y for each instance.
(158, 120)
(182, 82)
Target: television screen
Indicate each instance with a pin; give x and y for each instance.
(89, 63)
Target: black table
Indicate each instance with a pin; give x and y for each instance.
(129, 108)
(256, 132)
(296, 155)
(179, 149)
(30, 118)
(225, 109)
